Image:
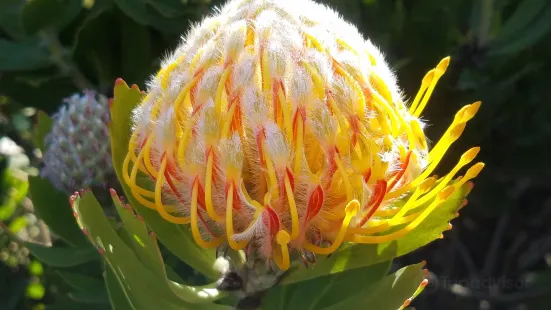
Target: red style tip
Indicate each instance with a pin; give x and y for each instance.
(134, 86)
(101, 251)
(113, 193)
(119, 81)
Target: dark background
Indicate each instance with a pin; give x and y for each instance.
(496, 257)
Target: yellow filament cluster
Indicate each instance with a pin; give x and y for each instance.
(277, 129)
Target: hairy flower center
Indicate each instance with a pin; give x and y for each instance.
(276, 126)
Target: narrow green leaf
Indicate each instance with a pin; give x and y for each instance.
(324, 291)
(135, 49)
(168, 8)
(135, 9)
(98, 296)
(35, 89)
(77, 306)
(61, 256)
(525, 39)
(117, 296)
(388, 294)
(41, 14)
(23, 55)
(142, 242)
(81, 282)
(145, 289)
(525, 13)
(176, 238)
(52, 206)
(10, 18)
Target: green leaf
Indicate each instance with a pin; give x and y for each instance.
(144, 244)
(41, 14)
(135, 9)
(81, 282)
(62, 256)
(142, 14)
(175, 237)
(168, 8)
(99, 62)
(539, 27)
(95, 297)
(52, 206)
(393, 292)
(41, 129)
(117, 296)
(324, 291)
(10, 18)
(144, 288)
(77, 306)
(23, 55)
(135, 51)
(524, 14)
(42, 90)
(351, 256)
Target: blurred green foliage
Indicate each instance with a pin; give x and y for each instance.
(500, 54)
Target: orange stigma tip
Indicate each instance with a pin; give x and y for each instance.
(113, 192)
(424, 283)
(456, 214)
(426, 272)
(450, 226)
(441, 236)
(407, 302)
(119, 81)
(134, 86)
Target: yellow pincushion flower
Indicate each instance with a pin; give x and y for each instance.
(276, 127)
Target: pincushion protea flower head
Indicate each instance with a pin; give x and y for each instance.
(277, 128)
